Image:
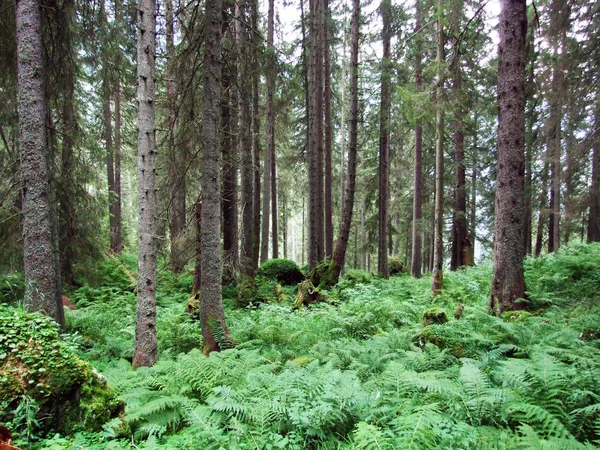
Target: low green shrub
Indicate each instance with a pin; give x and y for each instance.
(283, 270)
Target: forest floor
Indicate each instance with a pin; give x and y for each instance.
(359, 372)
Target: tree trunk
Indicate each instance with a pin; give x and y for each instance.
(177, 161)
(42, 276)
(212, 315)
(438, 246)
(459, 217)
(198, 253)
(269, 133)
(118, 231)
(417, 228)
(245, 128)
(255, 136)
(384, 140)
(145, 330)
(593, 228)
(339, 255)
(328, 134)
(508, 282)
(543, 211)
(274, 212)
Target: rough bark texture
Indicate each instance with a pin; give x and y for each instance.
(145, 329)
(198, 248)
(438, 245)
(508, 282)
(542, 211)
(274, 209)
(256, 42)
(177, 160)
(245, 129)
(593, 228)
(117, 235)
(42, 275)
(328, 134)
(269, 134)
(212, 316)
(415, 266)
(339, 254)
(384, 140)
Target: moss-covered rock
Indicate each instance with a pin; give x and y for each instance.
(516, 316)
(36, 365)
(396, 267)
(282, 270)
(434, 316)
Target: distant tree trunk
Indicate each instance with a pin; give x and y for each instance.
(68, 228)
(363, 233)
(42, 275)
(230, 165)
(542, 212)
(269, 133)
(177, 161)
(417, 228)
(319, 112)
(328, 134)
(339, 255)
(145, 330)
(438, 246)
(508, 284)
(384, 140)
(212, 315)
(245, 129)
(274, 212)
(459, 217)
(198, 247)
(593, 228)
(255, 43)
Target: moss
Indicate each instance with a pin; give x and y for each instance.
(307, 294)
(516, 316)
(38, 365)
(283, 270)
(247, 291)
(434, 316)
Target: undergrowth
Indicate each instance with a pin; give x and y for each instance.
(359, 372)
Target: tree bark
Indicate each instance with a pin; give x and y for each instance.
(274, 211)
(593, 228)
(42, 275)
(177, 160)
(118, 223)
(542, 211)
(145, 330)
(255, 136)
(212, 315)
(508, 284)
(384, 140)
(438, 246)
(339, 255)
(328, 134)
(417, 228)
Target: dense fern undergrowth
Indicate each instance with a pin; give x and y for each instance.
(358, 372)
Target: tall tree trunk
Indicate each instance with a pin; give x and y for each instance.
(269, 133)
(542, 211)
(508, 283)
(459, 217)
(593, 227)
(274, 212)
(438, 246)
(42, 276)
(328, 134)
(339, 255)
(230, 164)
(212, 315)
(118, 231)
(145, 329)
(68, 228)
(177, 161)
(198, 247)
(245, 128)
(417, 228)
(255, 41)
(384, 140)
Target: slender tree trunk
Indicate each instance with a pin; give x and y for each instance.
(42, 275)
(417, 228)
(255, 42)
(245, 128)
(274, 212)
(593, 227)
(212, 315)
(198, 253)
(269, 133)
(384, 141)
(508, 284)
(363, 233)
(438, 246)
(328, 134)
(118, 231)
(339, 255)
(145, 330)
(177, 163)
(543, 211)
